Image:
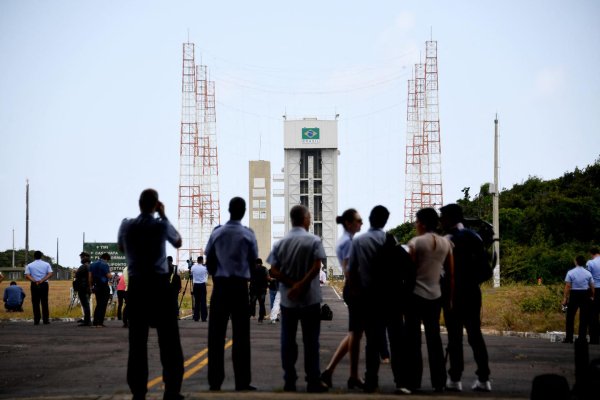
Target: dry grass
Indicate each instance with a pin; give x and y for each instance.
(514, 307)
(517, 307)
(59, 298)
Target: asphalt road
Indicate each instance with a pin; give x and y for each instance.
(61, 361)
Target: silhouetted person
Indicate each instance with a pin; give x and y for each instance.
(150, 302)
(230, 253)
(463, 310)
(99, 278)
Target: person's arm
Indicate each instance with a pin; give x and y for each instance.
(90, 280)
(299, 287)
(449, 266)
(172, 235)
(45, 278)
(566, 293)
(281, 277)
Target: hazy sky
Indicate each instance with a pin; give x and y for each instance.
(90, 98)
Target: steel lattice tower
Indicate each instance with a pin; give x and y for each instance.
(423, 170)
(198, 209)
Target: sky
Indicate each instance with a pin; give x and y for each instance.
(90, 99)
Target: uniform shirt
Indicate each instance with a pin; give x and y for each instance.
(363, 251)
(13, 295)
(38, 269)
(579, 278)
(430, 251)
(144, 241)
(235, 249)
(593, 266)
(343, 247)
(295, 255)
(199, 273)
(99, 270)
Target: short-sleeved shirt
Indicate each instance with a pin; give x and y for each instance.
(235, 249)
(295, 255)
(199, 273)
(579, 278)
(38, 269)
(343, 247)
(144, 240)
(430, 252)
(593, 266)
(363, 252)
(99, 270)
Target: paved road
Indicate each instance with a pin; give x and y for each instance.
(62, 360)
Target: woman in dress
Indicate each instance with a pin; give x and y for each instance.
(352, 222)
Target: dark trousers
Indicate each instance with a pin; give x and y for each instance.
(150, 304)
(428, 312)
(594, 319)
(466, 312)
(578, 299)
(374, 332)
(260, 296)
(121, 304)
(200, 310)
(102, 293)
(397, 334)
(310, 321)
(39, 296)
(84, 299)
(229, 299)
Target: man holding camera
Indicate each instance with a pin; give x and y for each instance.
(150, 302)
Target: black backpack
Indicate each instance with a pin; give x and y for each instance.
(326, 313)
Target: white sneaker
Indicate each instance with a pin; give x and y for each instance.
(453, 386)
(482, 386)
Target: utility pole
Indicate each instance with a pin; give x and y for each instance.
(13, 258)
(26, 221)
(496, 216)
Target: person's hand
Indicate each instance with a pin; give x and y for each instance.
(294, 292)
(160, 209)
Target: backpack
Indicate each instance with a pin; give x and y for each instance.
(326, 313)
(477, 258)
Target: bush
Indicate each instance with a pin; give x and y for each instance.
(547, 300)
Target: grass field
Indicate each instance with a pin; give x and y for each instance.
(59, 299)
(518, 307)
(512, 307)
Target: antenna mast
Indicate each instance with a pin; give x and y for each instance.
(423, 169)
(198, 208)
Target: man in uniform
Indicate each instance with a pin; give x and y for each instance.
(230, 253)
(149, 298)
(99, 277)
(200, 276)
(38, 272)
(83, 288)
(295, 262)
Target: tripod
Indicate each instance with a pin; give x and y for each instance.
(187, 283)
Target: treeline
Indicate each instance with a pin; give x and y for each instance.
(543, 224)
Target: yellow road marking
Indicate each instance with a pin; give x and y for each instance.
(187, 363)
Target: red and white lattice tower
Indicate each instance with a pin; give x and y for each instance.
(423, 170)
(198, 209)
(209, 172)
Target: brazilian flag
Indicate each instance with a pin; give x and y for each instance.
(310, 133)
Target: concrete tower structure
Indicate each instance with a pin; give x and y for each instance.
(311, 178)
(259, 204)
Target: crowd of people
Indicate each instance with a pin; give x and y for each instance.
(432, 274)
